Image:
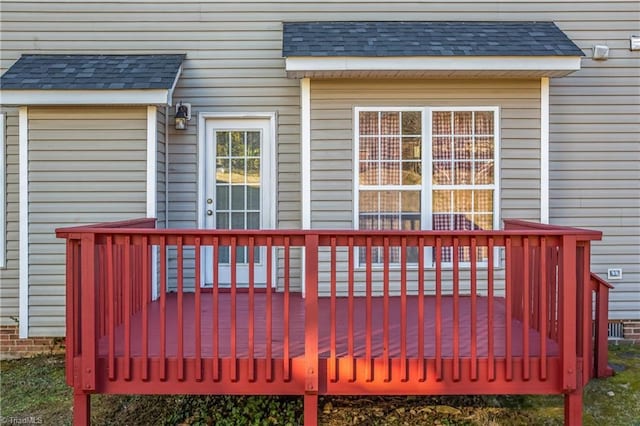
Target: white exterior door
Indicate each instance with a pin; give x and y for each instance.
(238, 188)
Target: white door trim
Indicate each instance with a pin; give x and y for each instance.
(202, 156)
(270, 167)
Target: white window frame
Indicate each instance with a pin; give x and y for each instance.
(426, 213)
(3, 192)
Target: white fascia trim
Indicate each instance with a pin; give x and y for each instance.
(86, 97)
(434, 63)
(3, 192)
(305, 150)
(23, 155)
(544, 150)
(152, 158)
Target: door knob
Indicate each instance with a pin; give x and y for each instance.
(209, 212)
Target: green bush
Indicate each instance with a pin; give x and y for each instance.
(228, 410)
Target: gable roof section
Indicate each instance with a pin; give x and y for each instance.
(86, 79)
(435, 47)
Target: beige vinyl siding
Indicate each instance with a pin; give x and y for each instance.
(9, 284)
(595, 154)
(86, 165)
(234, 64)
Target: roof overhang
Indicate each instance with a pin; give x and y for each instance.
(430, 66)
(31, 94)
(86, 97)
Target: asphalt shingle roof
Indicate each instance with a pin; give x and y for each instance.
(92, 72)
(435, 38)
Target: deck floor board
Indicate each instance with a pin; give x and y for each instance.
(296, 333)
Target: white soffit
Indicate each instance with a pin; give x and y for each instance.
(437, 66)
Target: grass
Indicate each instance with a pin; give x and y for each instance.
(33, 390)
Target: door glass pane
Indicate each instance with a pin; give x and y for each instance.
(237, 144)
(237, 197)
(222, 170)
(237, 220)
(222, 197)
(222, 144)
(253, 197)
(253, 144)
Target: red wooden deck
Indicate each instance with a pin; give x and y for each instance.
(296, 331)
(424, 332)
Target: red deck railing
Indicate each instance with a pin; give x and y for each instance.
(393, 312)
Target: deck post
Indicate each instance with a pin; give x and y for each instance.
(573, 401)
(87, 323)
(311, 331)
(81, 408)
(569, 324)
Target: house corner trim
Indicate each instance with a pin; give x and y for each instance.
(152, 149)
(544, 150)
(305, 150)
(23, 155)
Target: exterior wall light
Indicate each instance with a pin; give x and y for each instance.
(183, 114)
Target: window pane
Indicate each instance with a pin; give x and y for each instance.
(222, 220)
(441, 201)
(483, 201)
(253, 171)
(222, 171)
(368, 123)
(411, 123)
(462, 201)
(237, 220)
(390, 173)
(369, 149)
(462, 123)
(390, 123)
(462, 222)
(368, 173)
(441, 222)
(483, 221)
(484, 123)
(237, 171)
(253, 144)
(441, 124)
(253, 198)
(484, 148)
(237, 197)
(411, 149)
(441, 148)
(389, 201)
(410, 201)
(462, 173)
(390, 148)
(368, 201)
(411, 173)
(237, 144)
(222, 144)
(462, 148)
(483, 173)
(442, 173)
(222, 197)
(253, 220)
